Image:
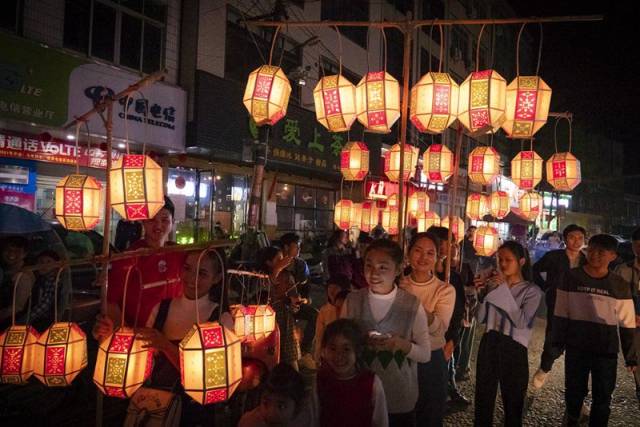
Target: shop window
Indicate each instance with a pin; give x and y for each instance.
(302, 208)
(11, 15)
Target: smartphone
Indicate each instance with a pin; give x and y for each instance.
(378, 335)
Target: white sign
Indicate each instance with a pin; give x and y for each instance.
(156, 116)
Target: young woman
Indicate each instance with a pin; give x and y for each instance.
(397, 328)
(347, 394)
(509, 301)
(338, 259)
(438, 299)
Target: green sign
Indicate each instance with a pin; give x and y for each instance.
(34, 81)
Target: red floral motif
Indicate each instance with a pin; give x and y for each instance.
(133, 160)
(54, 361)
(121, 343)
(115, 392)
(477, 163)
(377, 118)
(72, 201)
(479, 118)
(212, 337)
(344, 159)
(435, 176)
(214, 396)
(441, 99)
(137, 211)
(526, 104)
(526, 184)
(11, 361)
(331, 99)
(263, 86)
(559, 169)
(481, 75)
(435, 148)
(526, 155)
(375, 76)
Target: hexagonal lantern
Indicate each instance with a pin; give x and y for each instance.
(17, 347)
(482, 101)
(342, 214)
(137, 190)
(370, 216)
(335, 101)
(530, 205)
(437, 163)
(390, 220)
(528, 101)
(61, 354)
(486, 240)
(484, 165)
(426, 219)
(457, 228)
(392, 162)
(266, 95)
(354, 161)
(378, 101)
(78, 202)
(355, 216)
(563, 171)
(526, 170)
(418, 202)
(499, 204)
(434, 102)
(477, 206)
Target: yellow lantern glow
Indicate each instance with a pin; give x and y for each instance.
(342, 213)
(392, 200)
(122, 363)
(370, 216)
(210, 362)
(499, 204)
(60, 354)
(438, 163)
(530, 205)
(486, 240)
(78, 202)
(355, 217)
(266, 95)
(434, 102)
(457, 227)
(477, 206)
(528, 101)
(563, 171)
(137, 190)
(241, 320)
(482, 101)
(260, 322)
(426, 219)
(390, 220)
(335, 102)
(526, 170)
(392, 162)
(484, 165)
(17, 347)
(378, 101)
(354, 161)
(418, 202)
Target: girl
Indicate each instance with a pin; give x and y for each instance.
(438, 299)
(347, 394)
(509, 302)
(329, 311)
(337, 257)
(397, 328)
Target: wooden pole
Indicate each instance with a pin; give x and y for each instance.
(453, 193)
(406, 67)
(106, 234)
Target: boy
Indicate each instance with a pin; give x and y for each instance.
(592, 306)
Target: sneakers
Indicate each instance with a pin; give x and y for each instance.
(539, 379)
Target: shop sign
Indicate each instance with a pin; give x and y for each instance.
(18, 183)
(380, 190)
(31, 147)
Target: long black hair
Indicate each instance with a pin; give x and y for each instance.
(520, 252)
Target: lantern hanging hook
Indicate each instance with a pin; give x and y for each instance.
(16, 282)
(77, 137)
(518, 50)
(555, 132)
(478, 48)
(339, 50)
(126, 122)
(86, 127)
(273, 43)
(55, 293)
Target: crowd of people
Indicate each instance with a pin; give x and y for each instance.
(395, 335)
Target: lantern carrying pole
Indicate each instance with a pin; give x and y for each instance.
(453, 193)
(406, 66)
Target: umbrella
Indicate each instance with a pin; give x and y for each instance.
(15, 220)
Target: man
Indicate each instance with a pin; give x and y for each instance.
(555, 264)
(630, 272)
(469, 254)
(593, 308)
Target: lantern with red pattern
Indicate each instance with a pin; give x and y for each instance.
(418, 202)
(426, 219)
(484, 165)
(78, 202)
(378, 101)
(241, 320)
(370, 216)
(434, 102)
(137, 190)
(335, 101)
(438, 163)
(526, 170)
(528, 101)
(342, 214)
(355, 216)
(392, 162)
(17, 346)
(486, 240)
(61, 354)
(266, 95)
(457, 227)
(390, 215)
(530, 205)
(482, 101)
(477, 206)
(563, 171)
(499, 204)
(354, 161)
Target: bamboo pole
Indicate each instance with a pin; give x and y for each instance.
(406, 66)
(453, 193)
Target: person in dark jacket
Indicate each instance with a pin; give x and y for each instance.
(338, 258)
(555, 264)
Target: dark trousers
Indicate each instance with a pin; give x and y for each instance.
(432, 390)
(309, 315)
(405, 419)
(636, 374)
(501, 360)
(603, 369)
(463, 351)
(549, 353)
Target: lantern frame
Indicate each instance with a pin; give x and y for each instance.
(354, 161)
(526, 169)
(482, 101)
(434, 102)
(563, 168)
(60, 354)
(486, 240)
(370, 216)
(335, 103)
(426, 219)
(355, 215)
(528, 102)
(477, 206)
(378, 101)
(390, 220)
(499, 204)
(17, 347)
(484, 165)
(266, 95)
(392, 162)
(418, 202)
(78, 202)
(342, 214)
(530, 205)
(137, 190)
(437, 163)
(458, 226)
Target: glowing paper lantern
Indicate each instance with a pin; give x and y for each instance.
(438, 163)
(378, 101)
(260, 322)
(136, 187)
(434, 102)
(482, 101)
(392, 200)
(78, 202)
(427, 219)
(335, 102)
(499, 204)
(530, 205)
(266, 315)
(355, 216)
(342, 214)
(528, 101)
(241, 320)
(418, 202)
(563, 171)
(457, 227)
(484, 165)
(60, 354)
(122, 363)
(392, 162)
(354, 161)
(210, 363)
(17, 346)
(526, 170)
(390, 220)
(477, 206)
(486, 240)
(370, 216)
(266, 95)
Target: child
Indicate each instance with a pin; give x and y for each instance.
(509, 302)
(13, 252)
(347, 394)
(283, 401)
(43, 292)
(329, 312)
(397, 327)
(592, 307)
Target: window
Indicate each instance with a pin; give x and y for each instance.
(129, 33)
(11, 15)
(348, 10)
(301, 208)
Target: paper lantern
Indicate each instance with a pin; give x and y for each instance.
(457, 227)
(392, 162)
(354, 161)
(266, 95)
(477, 206)
(392, 200)
(528, 101)
(342, 214)
(241, 320)
(122, 363)
(438, 163)
(335, 101)
(530, 205)
(370, 216)
(563, 171)
(210, 362)
(526, 170)
(499, 204)
(60, 354)
(136, 187)
(482, 101)
(426, 219)
(484, 165)
(378, 101)
(390, 220)
(418, 202)
(486, 240)
(78, 202)
(260, 322)
(434, 102)
(355, 217)
(17, 347)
